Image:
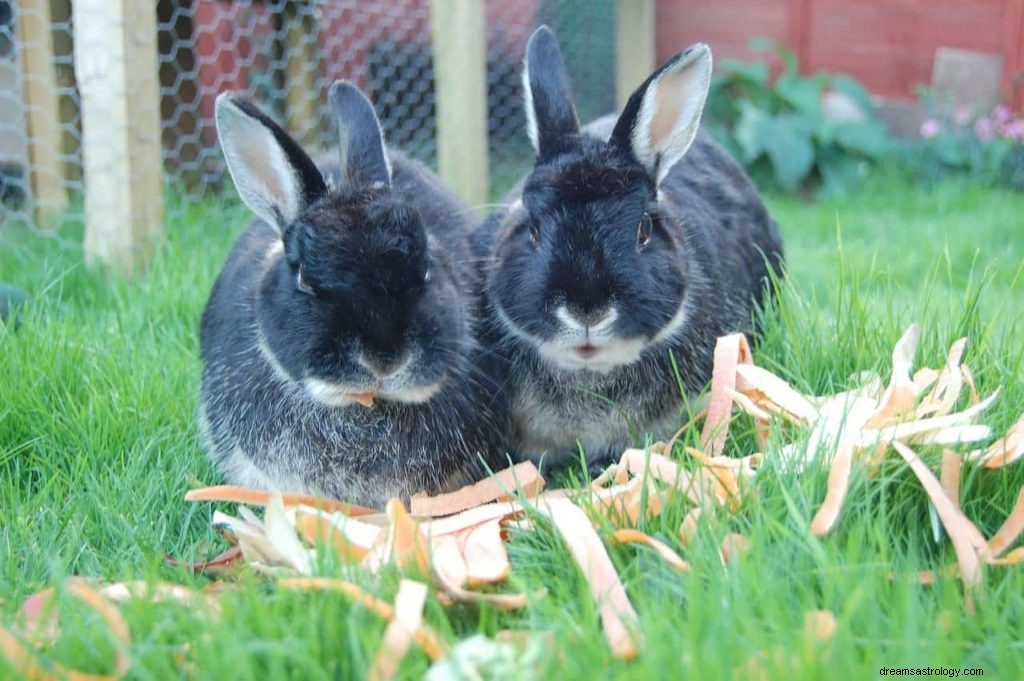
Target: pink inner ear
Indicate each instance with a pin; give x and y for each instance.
(262, 170)
(673, 89)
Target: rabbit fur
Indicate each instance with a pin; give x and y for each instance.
(354, 282)
(632, 242)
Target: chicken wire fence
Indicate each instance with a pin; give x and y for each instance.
(284, 54)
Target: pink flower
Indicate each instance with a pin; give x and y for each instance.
(1001, 114)
(984, 129)
(1015, 130)
(962, 116)
(930, 128)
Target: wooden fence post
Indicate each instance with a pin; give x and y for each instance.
(634, 46)
(1013, 53)
(117, 69)
(459, 37)
(42, 112)
(301, 69)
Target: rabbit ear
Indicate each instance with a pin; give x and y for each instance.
(660, 120)
(363, 156)
(550, 113)
(274, 177)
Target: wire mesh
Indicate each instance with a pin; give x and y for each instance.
(284, 54)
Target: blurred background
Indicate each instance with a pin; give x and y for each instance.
(810, 95)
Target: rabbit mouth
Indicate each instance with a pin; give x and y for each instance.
(411, 395)
(335, 395)
(592, 356)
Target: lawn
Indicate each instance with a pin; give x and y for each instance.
(98, 444)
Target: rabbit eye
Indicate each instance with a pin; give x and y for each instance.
(301, 284)
(643, 230)
(534, 234)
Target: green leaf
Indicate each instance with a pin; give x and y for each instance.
(746, 132)
(720, 133)
(753, 73)
(786, 140)
(840, 172)
(852, 87)
(803, 94)
(761, 43)
(950, 151)
(868, 138)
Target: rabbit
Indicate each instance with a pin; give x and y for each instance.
(338, 344)
(632, 240)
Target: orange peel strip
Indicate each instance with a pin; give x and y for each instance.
(730, 351)
(923, 379)
(734, 546)
(316, 528)
(489, 489)
(365, 399)
(1012, 558)
(485, 555)
(971, 385)
(470, 518)
(451, 572)
(779, 392)
(447, 561)
(633, 500)
(407, 543)
(1007, 449)
(398, 635)
(951, 379)
(688, 528)
(606, 476)
(617, 614)
(255, 497)
(761, 416)
(929, 577)
(500, 601)
(425, 637)
(820, 625)
(724, 470)
(958, 527)
(616, 503)
(838, 483)
(23, 660)
(899, 395)
(219, 564)
(949, 475)
(637, 537)
(1010, 529)
(159, 592)
(668, 471)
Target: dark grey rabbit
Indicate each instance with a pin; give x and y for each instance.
(636, 238)
(347, 291)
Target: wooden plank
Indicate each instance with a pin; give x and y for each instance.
(799, 29)
(726, 26)
(634, 46)
(67, 101)
(459, 42)
(116, 66)
(301, 68)
(42, 110)
(1013, 53)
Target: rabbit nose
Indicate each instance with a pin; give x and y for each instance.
(382, 367)
(588, 319)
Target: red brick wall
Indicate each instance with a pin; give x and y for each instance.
(888, 44)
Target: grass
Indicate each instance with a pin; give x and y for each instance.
(97, 443)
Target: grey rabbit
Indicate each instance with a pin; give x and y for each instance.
(630, 240)
(354, 286)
